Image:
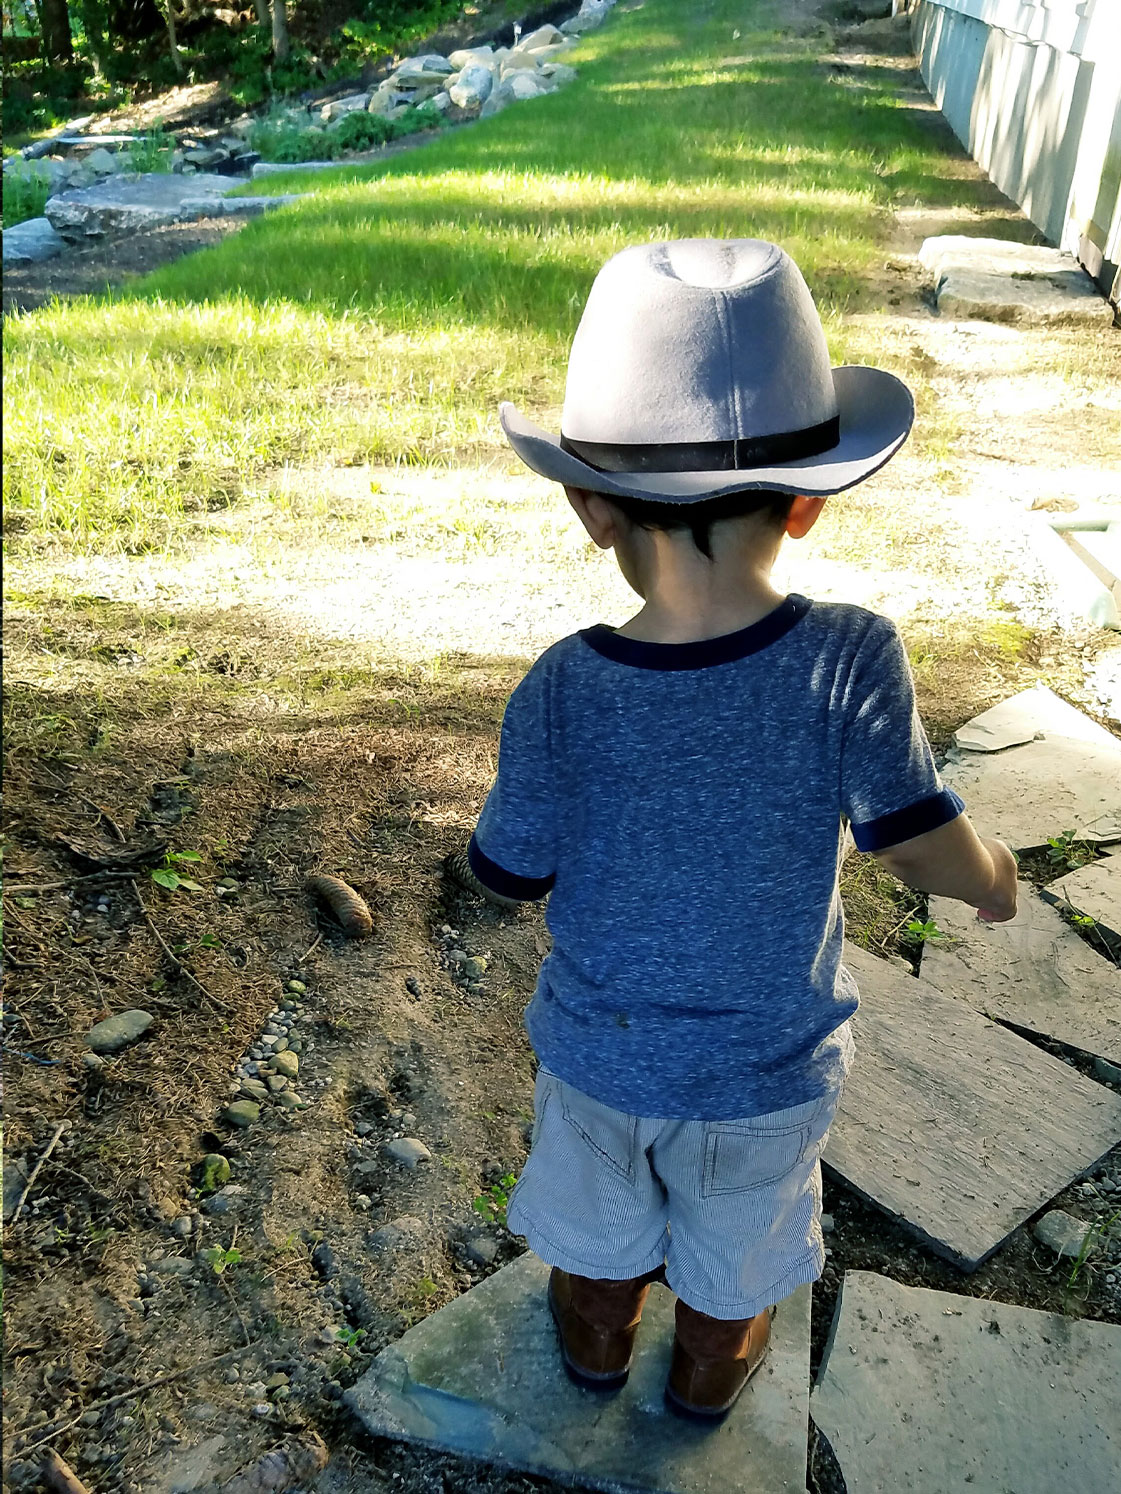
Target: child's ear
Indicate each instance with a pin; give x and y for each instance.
(804, 513)
(596, 514)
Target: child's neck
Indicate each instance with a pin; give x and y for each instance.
(690, 599)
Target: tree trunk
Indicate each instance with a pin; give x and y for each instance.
(55, 18)
(173, 45)
(264, 15)
(280, 47)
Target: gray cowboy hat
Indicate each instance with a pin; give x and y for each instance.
(700, 367)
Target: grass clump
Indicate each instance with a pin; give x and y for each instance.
(25, 196)
(385, 316)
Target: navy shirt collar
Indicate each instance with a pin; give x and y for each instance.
(706, 651)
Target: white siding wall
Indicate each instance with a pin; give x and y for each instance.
(1032, 88)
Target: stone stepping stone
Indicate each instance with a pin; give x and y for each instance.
(1094, 890)
(1000, 281)
(483, 1378)
(954, 1126)
(1033, 972)
(128, 204)
(1033, 767)
(931, 1392)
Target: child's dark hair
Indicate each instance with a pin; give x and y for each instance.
(772, 507)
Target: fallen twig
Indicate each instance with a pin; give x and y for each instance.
(59, 1476)
(237, 1310)
(27, 1187)
(219, 1006)
(308, 954)
(55, 1428)
(101, 876)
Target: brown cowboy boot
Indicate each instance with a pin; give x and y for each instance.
(713, 1360)
(597, 1322)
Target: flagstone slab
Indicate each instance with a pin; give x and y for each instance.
(931, 1392)
(1033, 713)
(483, 1378)
(953, 1125)
(1094, 890)
(1042, 788)
(1033, 972)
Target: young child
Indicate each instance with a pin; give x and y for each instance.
(679, 786)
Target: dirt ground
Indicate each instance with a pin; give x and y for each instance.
(314, 687)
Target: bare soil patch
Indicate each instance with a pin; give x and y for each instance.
(107, 265)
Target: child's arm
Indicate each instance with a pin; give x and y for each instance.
(953, 861)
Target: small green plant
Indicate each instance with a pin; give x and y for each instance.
(167, 877)
(1095, 1233)
(920, 932)
(1069, 851)
(151, 151)
(492, 1204)
(218, 1259)
(349, 1337)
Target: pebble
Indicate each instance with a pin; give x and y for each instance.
(1061, 1232)
(475, 966)
(268, 1040)
(253, 1089)
(482, 1249)
(407, 1151)
(182, 1227)
(827, 1225)
(93, 1061)
(119, 1031)
(219, 1204)
(215, 1170)
(257, 1053)
(274, 1382)
(242, 1113)
(233, 1375)
(295, 1045)
(287, 1064)
(363, 1128)
(276, 1082)
(362, 1201)
(397, 1232)
(297, 987)
(262, 1408)
(289, 1100)
(256, 1389)
(172, 1265)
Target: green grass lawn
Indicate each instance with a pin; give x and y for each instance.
(385, 316)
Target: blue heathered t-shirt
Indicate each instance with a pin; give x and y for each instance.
(684, 805)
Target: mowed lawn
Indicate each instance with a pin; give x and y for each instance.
(385, 316)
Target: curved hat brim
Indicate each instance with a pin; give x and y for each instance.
(876, 413)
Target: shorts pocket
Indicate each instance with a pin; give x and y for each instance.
(609, 1133)
(745, 1154)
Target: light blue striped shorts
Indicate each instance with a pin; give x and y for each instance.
(733, 1208)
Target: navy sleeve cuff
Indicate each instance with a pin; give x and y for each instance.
(904, 824)
(506, 884)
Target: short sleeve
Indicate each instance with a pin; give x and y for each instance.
(890, 788)
(513, 849)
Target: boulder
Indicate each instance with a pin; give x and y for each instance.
(31, 241)
(389, 103)
(500, 96)
(102, 162)
(472, 88)
(467, 55)
(518, 62)
(441, 101)
(118, 1032)
(430, 67)
(544, 36)
(558, 73)
(340, 108)
(527, 86)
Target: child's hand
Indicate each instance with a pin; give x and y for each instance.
(999, 904)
